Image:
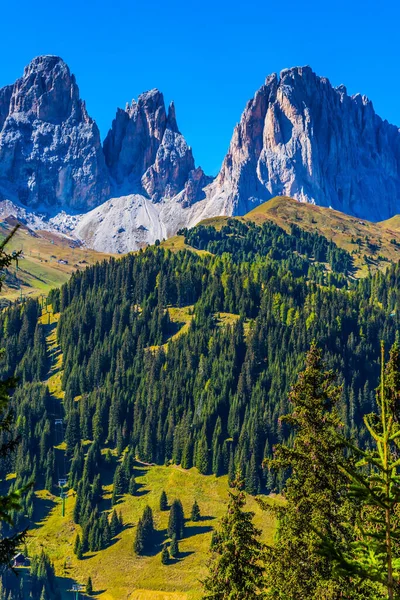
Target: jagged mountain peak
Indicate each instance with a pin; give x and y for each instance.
(50, 149)
(146, 153)
(301, 137)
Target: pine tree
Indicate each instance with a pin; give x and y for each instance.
(144, 538)
(174, 547)
(195, 514)
(114, 525)
(235, 568)
(163, 501)
(375, 482)
(165, 558)
(77, 543)
(139, 543)
(176, 522)
(316, 498)
(132, 485)
(89, 586)
(11, 503)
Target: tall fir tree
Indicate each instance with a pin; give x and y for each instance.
(176, 522)
(374, 481)
(316, 493)
(11, 503)
(236, 565)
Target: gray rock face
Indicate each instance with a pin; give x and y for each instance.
(147, 154)
(50, 149)
(303, 138)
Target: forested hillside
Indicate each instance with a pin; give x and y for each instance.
(188, 358)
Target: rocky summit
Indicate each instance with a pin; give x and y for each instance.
(147, 154)
(303, 138)
(50, 149)
(299, 136)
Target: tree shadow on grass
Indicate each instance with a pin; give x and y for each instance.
(42, 508)
(181, 556)
(197, 530)
(202, 518)
(140, 490)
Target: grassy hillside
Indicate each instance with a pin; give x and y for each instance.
(372, 245)
(116, 572)
(47, 260)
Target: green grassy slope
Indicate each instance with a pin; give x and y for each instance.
(373, 245)
(117, 573)
(39, 267)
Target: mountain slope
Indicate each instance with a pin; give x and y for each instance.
(47, 261)
(372, 245)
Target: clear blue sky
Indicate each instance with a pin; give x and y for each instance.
(208, 56)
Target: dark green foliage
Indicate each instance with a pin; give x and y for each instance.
(89, 586)
(115, 526)
(42, 577)
(235, 569)
(214, 400)
(174, 547)
(163, 501)
(375, 483)
(247, 241)
(12, 502)
(165, 557)
(316, 498)
(195, 513)
(144, 538)
(176, 522)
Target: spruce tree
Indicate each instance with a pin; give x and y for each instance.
(375, 483)
(165, 555)
(316, 499)
(195, 513)
(11, 503)
(89, 586)
(163, 501)
(174, 547)
(77, 543)
(139, 542)
(176, 522)
(144, 538)
(114, 525)
(235, 568)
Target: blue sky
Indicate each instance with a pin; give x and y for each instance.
(209, 56)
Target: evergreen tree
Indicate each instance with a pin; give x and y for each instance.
(165, 558)
(144, 538)
(315, 492)
(77, 543)
(195, 513)
(163, 501)
(176, 522)
(235, 569)
(114, 525)
(132, 485)
(89, 586)
(10, 503)
(375, 482)
(174, 547)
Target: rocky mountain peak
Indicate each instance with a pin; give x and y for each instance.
(50, 150)
(303, 138)
(146, 153)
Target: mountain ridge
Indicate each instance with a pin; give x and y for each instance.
(298, 136)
